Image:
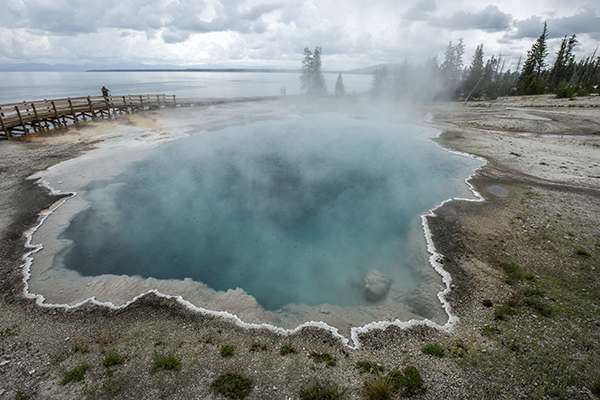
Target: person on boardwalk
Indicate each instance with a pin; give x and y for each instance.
(104, 91)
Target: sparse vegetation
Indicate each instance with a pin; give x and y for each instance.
(233, 386)
(369, 366)
(287, 349)
(327, 358)
(112, 358)
(258, 346)
(322, 390)
(75, 375)
(165, 362)
(515, 272)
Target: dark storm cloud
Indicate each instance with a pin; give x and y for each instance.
(490, 19)
(585, 21)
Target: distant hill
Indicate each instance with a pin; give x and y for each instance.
(33, 67)
(372, 68)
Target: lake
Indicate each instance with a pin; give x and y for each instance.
(30, 86)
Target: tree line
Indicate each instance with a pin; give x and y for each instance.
(482, 79)
(488, 79)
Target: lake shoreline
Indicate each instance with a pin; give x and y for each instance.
(474, 238)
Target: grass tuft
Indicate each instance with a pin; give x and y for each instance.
(433, 350)
(233, 386)
(112, 358)
(168, 363)
(379, 388)
(580, 251)
(322, 391)
(75, 375)
(287, 349)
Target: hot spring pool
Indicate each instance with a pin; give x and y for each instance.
(306, 211)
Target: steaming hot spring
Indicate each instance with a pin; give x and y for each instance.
(284, 221)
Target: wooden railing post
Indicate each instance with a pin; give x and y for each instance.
(72, 109)
(37, 117)
(107, 104)
(142, 102)
(91, 107)
(4, 127)
(21, 119)
(158, 99)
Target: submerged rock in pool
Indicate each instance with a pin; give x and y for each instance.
(377, 285)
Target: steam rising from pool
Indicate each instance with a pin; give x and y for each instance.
(294, 211)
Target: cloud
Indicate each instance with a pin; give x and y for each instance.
(490, 19)
(421, 11)
(178, 19)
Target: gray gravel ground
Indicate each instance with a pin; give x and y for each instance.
(527, 220)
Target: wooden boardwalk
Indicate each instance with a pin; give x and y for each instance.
(18, 119)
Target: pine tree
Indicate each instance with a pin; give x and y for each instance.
(381, 80)
(312, 79)
(306, 79)
(471, 85)
(564, 65)
(451, 67)
(340, 90)
(531, 80)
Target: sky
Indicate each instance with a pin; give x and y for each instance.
(273, 33)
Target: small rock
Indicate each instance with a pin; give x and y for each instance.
(377, 285)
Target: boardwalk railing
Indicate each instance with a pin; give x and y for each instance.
(25, 117)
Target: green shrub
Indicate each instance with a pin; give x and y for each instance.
(75, 375)
(565, 91)
(287, 349)
(322, 391)
(227, 350)
(169, 363)
(433, 350)
(233, 386)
